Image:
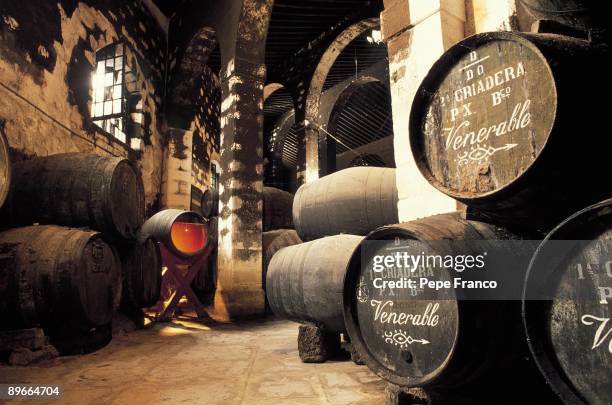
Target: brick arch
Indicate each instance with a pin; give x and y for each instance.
(326, 62)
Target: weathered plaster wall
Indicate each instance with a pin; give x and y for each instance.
(194, 145)
(47, 56)
(416, 33)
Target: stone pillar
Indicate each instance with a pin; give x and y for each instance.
(239, 290)
(176, 184)
(492, 15)
(417, 33)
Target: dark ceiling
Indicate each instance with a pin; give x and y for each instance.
(364, 117)
(168, 7)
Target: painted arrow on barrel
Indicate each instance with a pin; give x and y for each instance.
(400, 338)
(411, 340)
(480, 153)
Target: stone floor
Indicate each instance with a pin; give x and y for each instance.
(203, 363)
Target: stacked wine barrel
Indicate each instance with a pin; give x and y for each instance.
(304, 281)
(71, 256)
(505, 123)
(495, 125)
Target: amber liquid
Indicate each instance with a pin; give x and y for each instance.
(188, 238)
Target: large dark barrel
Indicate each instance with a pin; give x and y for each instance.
(446, 340)
(57, 276)
(141, 266)
(304, 282)
(566, 307)
(585, 15)
(184, 233)
(506, 123)
(277, 206)
(78, 189)
(5, 168)
(210, 203)
(353, 201)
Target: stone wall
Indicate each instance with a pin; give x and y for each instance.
(47, 57)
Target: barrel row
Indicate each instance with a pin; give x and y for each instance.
(60, 275)
(473, 346)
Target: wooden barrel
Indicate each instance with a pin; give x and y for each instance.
(57, 276)
(184, 233)
(445, 340)
(205, 282)
(210, 203)
(213, 230)
(584, 15)
(141, 267)
(77, 341)
(304, 282)
(272, 242)
(566, 307)
(80, 190)
(5, 168)
(353, 201)
(499, 116)
(277, 206)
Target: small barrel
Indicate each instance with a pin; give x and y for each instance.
(585, 15)
(141, 266)
(184, 233)
(304, 282)
(5, 168)
(496, 121)
(353, 201)
(272, 242)
(210, 203)
(80, 190)
(57, 276)
(566, 307)
(445, 340)
(277, 206)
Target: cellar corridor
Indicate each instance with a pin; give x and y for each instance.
(191, 361)
(305, 202)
